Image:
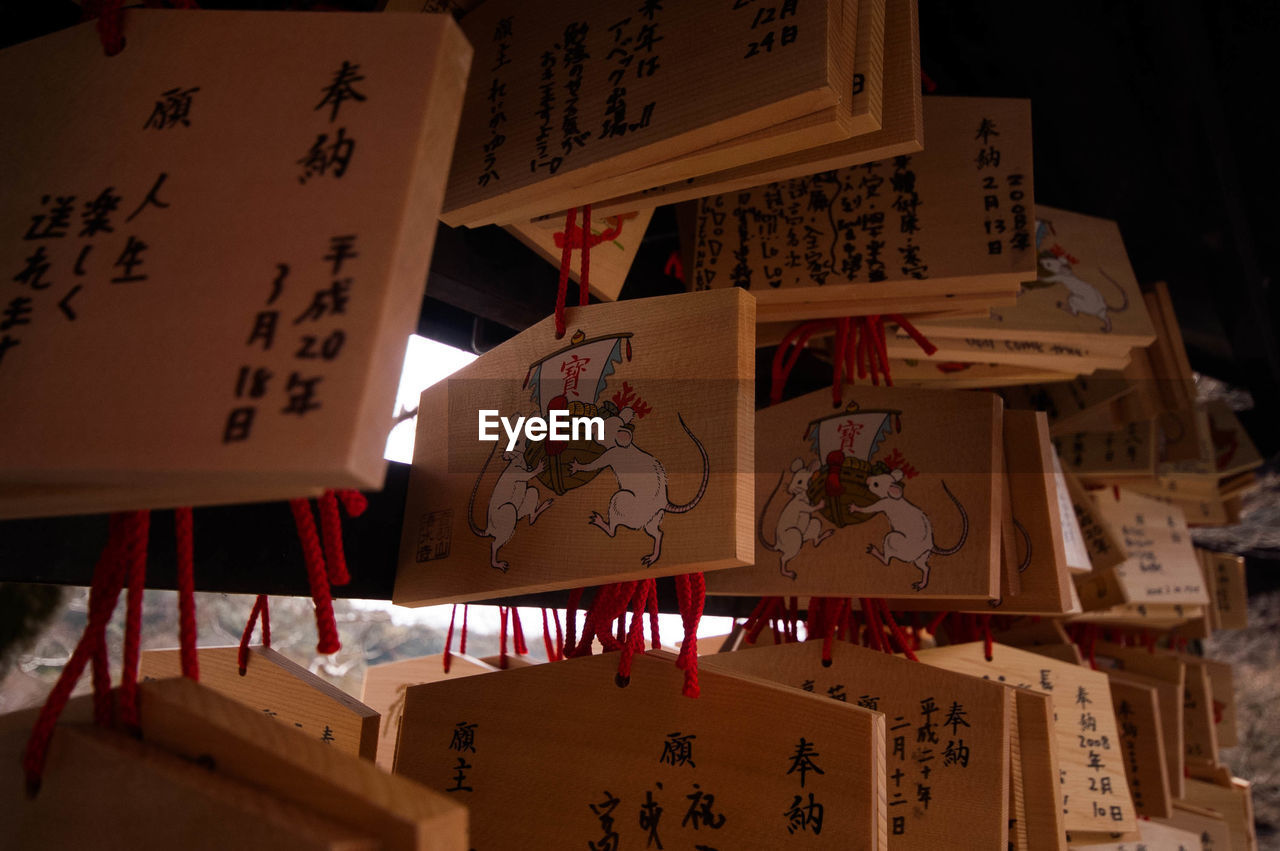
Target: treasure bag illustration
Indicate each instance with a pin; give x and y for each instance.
(844, 443)
(572, 379)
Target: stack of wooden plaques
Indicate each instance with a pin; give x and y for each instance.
(1080, 312)
(582, 102)
(949, 229)
(187, 333)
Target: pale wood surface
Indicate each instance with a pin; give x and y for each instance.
(678, 368)
(553, 741)
(236, 206)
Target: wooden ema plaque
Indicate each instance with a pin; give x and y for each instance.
(328, 799)
(763, 145)
(1234, 802)
(1152, 835)
(1038, 779)
(1095, 793)
(675, 445)
(105, 789)
(271, 179)
(947, 735)
(901, 130)
(747, 764)
(1040, 563)
(1137, 707)
(1161, 567)
(1083, 291)
(891, 495)
(610, 260)
(1168, 677)
(1209, 826)
(1104, 545)
(280, 689)
(568, 94)
(384, 687)
(914, 226)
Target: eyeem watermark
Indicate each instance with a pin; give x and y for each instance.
(559, 426)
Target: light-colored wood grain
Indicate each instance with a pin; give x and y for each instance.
(1208, 825)
(552, 744)
(947, 438)
(235, 206)
(1059, 357)
(1137, 708)
(1104, 544)
(1153, 835)
(810, 239)
(1234, 804)
(198, 723)
(1102, 458)
(1084, 290)
(901, 131)
(799, 135)
(385, 684)
(738, 91)
(1041, 780)
(1168, 676)
(1083, 721)
(960, 791)
(106, 790)
(685, 358)
(281, 689)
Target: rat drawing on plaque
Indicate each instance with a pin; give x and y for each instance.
(1055, 265)
(845, 487)
(572, 379)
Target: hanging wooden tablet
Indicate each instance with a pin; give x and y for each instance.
(105, 789)
(200, 724)
(610, 260)
(911, 227)
(1233, 803)
(1066, 403)
(189, 183)
(1223, 687)
(1039, 774)
(1083, 292)
(281, 689)
(889, 495)
(556, 755)
(1104, 545)
(1152, 835)
(1208, 825)
(864, 108)
(1168, 677)
(566, 94)
(1071, 359)
(1044, 582)
(1142, 744)
(1201, 735)
(384, 687)
(1099, 458)
(1161, 567)
(947, 735)
(1094, 789)
(901, 127)
(656, 488)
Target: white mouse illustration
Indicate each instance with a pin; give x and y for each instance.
(512, 498)
(1083, 297)
(798, 521)
(641, 499)
(910, 538)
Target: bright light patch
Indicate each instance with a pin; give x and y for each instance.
(425, 363)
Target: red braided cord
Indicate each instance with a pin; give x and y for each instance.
(448, 640)
(555, 615)
(517, 643)
(137, 531)
(184, 534)
(898, 635)
(260, 607)
(655, 642)
(110, 15)
(331, 529)
(789, 351)
(571, 621)
(986, 636)
(935, 622)
(920, 339)
(566, 257)
(546, 637)
(635, 635)
(691, 595)
(502, 639)
(462, 639)
(317, 577)
(838, 361)
(108, 580)
(587, 241)
(104, 706)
